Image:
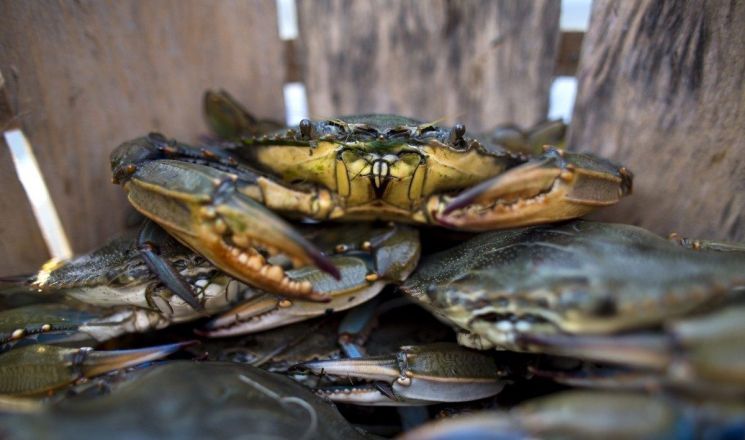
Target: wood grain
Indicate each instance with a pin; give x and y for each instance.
(569, 52)
(85, 76)
(22, 248)
(662, 90)
(477, 62)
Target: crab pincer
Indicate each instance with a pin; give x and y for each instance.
(39, 368)
(365, 269)
(416, 375)
(211, 211)
(557, 185)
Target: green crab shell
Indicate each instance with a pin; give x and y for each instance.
(578, 278)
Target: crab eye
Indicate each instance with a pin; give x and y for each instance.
(459, 130)
(306, 129)
(456, 136)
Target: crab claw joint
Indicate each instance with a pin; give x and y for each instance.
(556, 186)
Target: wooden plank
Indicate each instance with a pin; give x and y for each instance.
(85, 76)
(662, 90)
(478, 62)
(22, 248)
(570, 48)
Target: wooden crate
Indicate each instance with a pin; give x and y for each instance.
(660, 90)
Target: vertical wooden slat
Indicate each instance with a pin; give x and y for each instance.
(662, 90)
(22, 248)
(85, 76)
(567, 58)
(479, 62)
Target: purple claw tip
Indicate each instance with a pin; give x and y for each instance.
(458, 202)
(325, 264)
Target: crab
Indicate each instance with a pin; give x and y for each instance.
(229, 201)
(187, 400)
(664, 312)
(594, 414)
(112, 291)
(246, 240)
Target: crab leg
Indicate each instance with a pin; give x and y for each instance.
(228, 119)
(39, 368)
(149, 237)
(556, 186)
(706, 245)
(355, 327)
(705, 349)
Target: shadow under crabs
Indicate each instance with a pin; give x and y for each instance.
(227, 202)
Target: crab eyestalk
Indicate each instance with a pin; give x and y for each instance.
(416, 375)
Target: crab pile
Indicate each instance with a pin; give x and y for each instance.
(375, 261)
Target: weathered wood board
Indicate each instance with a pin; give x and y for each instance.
(85, 76)
(662, 90)
(477, 62)
(22, 248)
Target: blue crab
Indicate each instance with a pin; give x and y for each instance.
(668, 311)
(594, 414)
(227, 202)
(187, 400)
(112, 290)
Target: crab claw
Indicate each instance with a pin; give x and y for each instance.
(556, 186)
(48, 367)
(209, 210)
(270, 311)
(100, 362)
(368, 257)
(416, 375)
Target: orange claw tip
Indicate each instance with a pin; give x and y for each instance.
(318, 297)
(442, 221)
